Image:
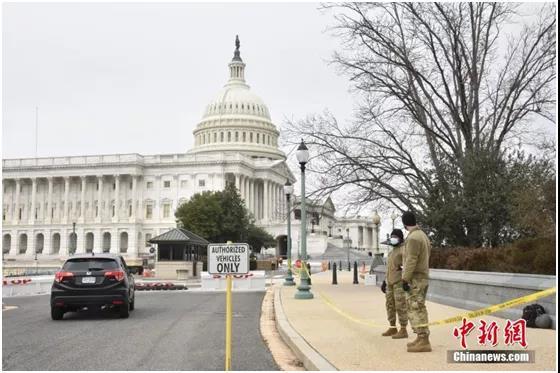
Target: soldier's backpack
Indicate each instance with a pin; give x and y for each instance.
(531, 312)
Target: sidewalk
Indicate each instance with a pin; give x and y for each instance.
(351, 345)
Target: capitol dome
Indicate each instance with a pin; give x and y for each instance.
(237, 120)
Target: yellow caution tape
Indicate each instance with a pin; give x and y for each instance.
(467, 315)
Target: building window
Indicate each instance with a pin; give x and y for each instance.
(149, 185)
(4, 214)
(258, 138)
(130, 210)
(114, 186)
(167, 184)
(236, 136)
(251, 137)
(221, 137)
(184, 184)
(229, 136)
(202, 183)
(96, 210)
(166, 210)
(244, 137)
(20, 213)
(149, 211)
(148, 238)
(130, 185)
(215, 137)
(113, 210)
(97, 186)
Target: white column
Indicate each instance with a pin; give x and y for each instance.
(66, 199)
(33, 199)
(49, 200)
(251, 199)
(238, 182)
(266, 201)
(82, 204)
(16, 212)
(99, 198)
(134, 196)
(117, 195)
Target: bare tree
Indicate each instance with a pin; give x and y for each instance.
(436, 90)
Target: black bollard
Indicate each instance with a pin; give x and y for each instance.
(309, 272)
(340, 265)
(334, 282)
(348, 266)
(355, 273)
(329, 265)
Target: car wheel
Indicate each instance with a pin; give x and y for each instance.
(124, 310)
(57, 313)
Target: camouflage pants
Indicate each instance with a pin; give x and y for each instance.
(416, 303)
(395, 302)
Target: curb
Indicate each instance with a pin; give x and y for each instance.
(312, 360)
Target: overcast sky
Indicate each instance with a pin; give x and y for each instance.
(136, 77)
(122, 78)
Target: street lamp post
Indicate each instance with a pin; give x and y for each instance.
(288, 191)
(394, 216)
(348, 245)
(304, 289)
(378, 259)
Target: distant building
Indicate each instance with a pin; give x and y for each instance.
(116, 203)
(56, 206)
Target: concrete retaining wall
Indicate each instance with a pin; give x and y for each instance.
(474, 290)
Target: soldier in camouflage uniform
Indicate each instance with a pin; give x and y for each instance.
(395, 298)
(416, 257)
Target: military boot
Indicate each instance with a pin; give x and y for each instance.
(423, 344)
(409, 344)
(391, 331)
(401, 333)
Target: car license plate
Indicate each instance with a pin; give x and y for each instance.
(88, 280)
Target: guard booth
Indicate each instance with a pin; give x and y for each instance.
(180, 254)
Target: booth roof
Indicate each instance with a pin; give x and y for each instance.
(179, 235)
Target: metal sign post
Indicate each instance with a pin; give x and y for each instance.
(228, 259)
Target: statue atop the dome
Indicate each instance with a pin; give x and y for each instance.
(237, 54)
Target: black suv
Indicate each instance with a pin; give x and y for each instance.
(92, 280)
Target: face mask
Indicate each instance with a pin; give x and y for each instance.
(394, 241)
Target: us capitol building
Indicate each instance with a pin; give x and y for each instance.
(54, 207)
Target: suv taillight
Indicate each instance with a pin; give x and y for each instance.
(117, 275)
(61, 275)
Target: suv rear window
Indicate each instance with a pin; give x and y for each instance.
(87, 264)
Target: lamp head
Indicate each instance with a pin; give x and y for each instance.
(376, 218)
(302, 153)
(288, 188)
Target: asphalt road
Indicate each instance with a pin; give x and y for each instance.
(166, 331)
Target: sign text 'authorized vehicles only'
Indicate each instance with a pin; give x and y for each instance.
(226, 258)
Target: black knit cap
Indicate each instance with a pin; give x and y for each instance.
(408, 219)
(398, 233)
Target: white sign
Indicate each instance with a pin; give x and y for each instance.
(224, 259)
(371, 279)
